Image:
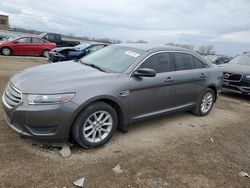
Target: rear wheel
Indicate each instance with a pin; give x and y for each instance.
(6, 51)
(205, 103)
(95, 125)
(46, 53)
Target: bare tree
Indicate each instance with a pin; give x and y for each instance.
(138, 41)
(206, 50)
(187, 46)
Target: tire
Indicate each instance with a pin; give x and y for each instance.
(45, 53)
(102, 129)
(205, 103)
(6, 51)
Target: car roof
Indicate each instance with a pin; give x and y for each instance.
(152, 47)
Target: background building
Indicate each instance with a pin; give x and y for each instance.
(4, 22)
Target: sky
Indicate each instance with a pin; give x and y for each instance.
(225, 24)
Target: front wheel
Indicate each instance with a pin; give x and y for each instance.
(6, 51)
(205, 103)
(95, 125)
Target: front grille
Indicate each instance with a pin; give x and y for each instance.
(232, 77)
(12, 96)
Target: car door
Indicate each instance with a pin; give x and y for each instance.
(189, 78)
(22, 46)
(37, 46)
(149, 95)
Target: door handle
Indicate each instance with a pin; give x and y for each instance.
(169, 79)
(203, 75)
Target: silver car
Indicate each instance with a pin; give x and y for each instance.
(107, 90)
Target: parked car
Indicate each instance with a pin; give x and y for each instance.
(3, 37)
(109, 89)
(56, 38)
(26, 46)
(73, 53)
(237, 74)
(217, 59)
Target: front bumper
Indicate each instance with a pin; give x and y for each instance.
(44, 122)
(55, 57)
(244, 90)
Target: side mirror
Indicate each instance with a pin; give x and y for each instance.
(15, 41)
(145, 72)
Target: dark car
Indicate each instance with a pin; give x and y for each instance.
(3, 37)
(27, 45)
(56, 38)
(73, 53)
(109, 89)
(217, 59)
(237, 74)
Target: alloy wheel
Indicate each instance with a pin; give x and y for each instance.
(97, 126)
(46, 53)
(6, 51)
(207, 102)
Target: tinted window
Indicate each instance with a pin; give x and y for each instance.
(24, 40)
(50, 37)
(198, 64)
(159, 62)
(35, 40)
(57, 37)
(183, 61)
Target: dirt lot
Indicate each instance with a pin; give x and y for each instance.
(178, 150)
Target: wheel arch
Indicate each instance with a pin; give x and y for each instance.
(109, 100)
(214, 88)
(45, 49)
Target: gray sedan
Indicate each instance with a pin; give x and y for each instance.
(107, 90)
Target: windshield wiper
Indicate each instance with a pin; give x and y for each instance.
(92, 65)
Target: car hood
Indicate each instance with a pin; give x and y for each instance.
(63, 48)
(58, 78)
(2, 42)
(234, 68)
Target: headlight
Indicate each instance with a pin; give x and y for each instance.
(50, 99)
(248, 77)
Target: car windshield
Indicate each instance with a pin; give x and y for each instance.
(242, 59)
(42, 35)
(82, 46)
(113, 58)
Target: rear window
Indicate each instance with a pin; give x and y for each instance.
(183, 61)
(35, 40)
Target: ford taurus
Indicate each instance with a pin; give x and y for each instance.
(107, 90)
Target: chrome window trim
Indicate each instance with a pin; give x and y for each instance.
(165, 51)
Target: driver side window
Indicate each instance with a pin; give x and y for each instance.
(160, 62)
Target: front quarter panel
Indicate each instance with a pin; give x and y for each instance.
(103, 89)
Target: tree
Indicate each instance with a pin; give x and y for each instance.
(187, 46)
(206, 50)
(138, 41)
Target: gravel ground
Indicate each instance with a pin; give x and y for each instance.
(179, 150)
